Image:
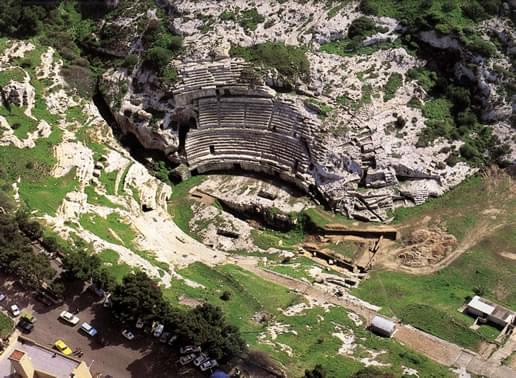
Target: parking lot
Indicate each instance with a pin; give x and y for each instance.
(108, 353)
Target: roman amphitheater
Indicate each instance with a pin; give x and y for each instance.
(224, 118)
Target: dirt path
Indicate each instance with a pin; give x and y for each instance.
(473, 237)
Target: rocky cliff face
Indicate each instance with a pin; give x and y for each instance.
(363, 154)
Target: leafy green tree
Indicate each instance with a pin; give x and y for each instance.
(206, 326)
(103, 279)
(137, 297)
(80, 264)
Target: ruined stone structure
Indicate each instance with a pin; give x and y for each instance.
(220, 116)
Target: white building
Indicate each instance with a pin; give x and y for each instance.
(383, 326)
(494, 313)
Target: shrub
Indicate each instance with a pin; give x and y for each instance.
(226, 296)
(362, 27)
(393, 84)
(249, 19)
(474, 11)
(157, 58)
(130, 61)
(468, 151)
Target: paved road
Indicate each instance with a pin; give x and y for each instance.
(141, 357)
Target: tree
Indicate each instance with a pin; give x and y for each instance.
(30, 228)
(103, 280)
(80, 264)
(206, 326)
(317, 372)
(137, 297)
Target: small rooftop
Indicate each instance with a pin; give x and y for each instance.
(384, 324)
(492, 309)
(16, 355)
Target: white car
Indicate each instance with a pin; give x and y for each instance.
(128, 334)
(189, 349)
(200, 359)
(184, 360)
(139, 323)
(89, 329)
(69, 317)
(2, 297)
(158, 330)
(15, 310)
(210, 364)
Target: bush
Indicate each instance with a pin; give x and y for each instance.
(362, 27)
(249, 19)
(226, 296)
(474, 11)
(130, 61)
(468, 151)
(157, 58)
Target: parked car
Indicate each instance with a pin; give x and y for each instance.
(107, 301)
(158, 330)
(189, 349)
(15, 310)
(26, 315)
(128, 334)
(164, 337)
(200, 359)
(62, 347)
(88, 329)
(2, 297)
(43, 298)
(172, 339)
(187, 359)
(69, 317)
(210, 364)
(140, 323)
(25, 325)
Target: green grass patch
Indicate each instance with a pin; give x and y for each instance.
(47, 194)
(394, 82)
(108, 179)
(14, 74)
(112, 229)
(347, 47)
(6, 325)
(297, 267)
(97, 199)
(19, 122)
(266, 238)
(117, 268)
(180, 205)
(459, 209)
(247, 294)
(320, 218)
(313, 343)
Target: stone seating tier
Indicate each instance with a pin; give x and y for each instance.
(249, 145)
